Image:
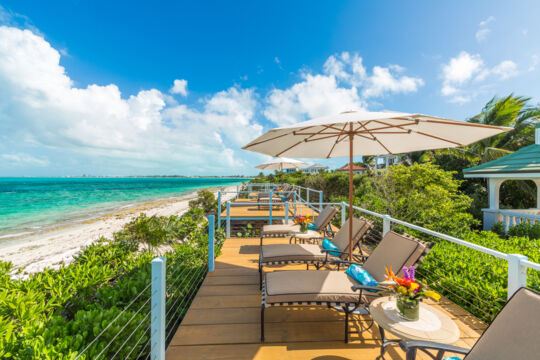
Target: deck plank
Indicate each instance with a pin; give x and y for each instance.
(223, 321)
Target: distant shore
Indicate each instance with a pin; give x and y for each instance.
(52, 247)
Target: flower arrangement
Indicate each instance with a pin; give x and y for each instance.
(303, 221)
(409, 292)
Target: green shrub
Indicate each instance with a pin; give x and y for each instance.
(205, 201)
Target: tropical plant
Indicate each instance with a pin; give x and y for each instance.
(205, 200)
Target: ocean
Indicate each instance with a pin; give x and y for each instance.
(29, 204)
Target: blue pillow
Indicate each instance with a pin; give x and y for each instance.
(328, 245)
(284, 198)
(452, 358)
(312, 226)
(361, 275)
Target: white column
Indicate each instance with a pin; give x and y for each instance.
(157, 313)
(494, 185)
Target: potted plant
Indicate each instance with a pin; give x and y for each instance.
(409, 292)
(303, 221)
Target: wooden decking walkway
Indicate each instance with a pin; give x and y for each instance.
(254, 211)
(223, 320)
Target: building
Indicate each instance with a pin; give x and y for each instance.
(314, 169)
(356, 169)
(523, 164)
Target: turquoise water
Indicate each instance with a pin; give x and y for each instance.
(27, 204)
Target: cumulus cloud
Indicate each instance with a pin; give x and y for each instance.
(344, 84)
(465, 71)
(40, 106)
(179, 87)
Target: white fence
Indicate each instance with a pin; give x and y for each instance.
(510, 218)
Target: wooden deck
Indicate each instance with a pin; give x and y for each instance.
(254, 211)
(223, 321)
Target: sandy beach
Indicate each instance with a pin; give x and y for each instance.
(53, 247)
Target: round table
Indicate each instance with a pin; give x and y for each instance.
(433, 324)
(310, 234)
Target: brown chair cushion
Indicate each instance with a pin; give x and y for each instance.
(325, 216)
(281, 229)
(341, 239)
(515, 332)
(291, 252)
(311, 286)
(394, 250)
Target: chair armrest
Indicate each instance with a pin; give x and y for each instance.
(371, 288)
(410, 347)
(334, 251)
(344, 262)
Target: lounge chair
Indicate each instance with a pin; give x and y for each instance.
(315, 254)
(321, 222)
(513, 334)
(335, 288)
(263, 199)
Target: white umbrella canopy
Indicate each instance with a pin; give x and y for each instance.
(356, 133)
(281, 164)
(373, 133)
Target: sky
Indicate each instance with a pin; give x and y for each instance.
(175, 87)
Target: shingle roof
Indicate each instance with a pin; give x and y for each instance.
(525, 160)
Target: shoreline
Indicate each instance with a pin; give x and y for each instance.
(54, 246)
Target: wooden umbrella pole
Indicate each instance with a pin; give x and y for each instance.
(351, 139)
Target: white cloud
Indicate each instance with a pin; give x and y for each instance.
(462, 68)
(487, 21)
(179, 87)
(534, 61)
(24, 159)
(483, 30)
(506, 69)
(316, 95)
(482, 34)
(345, 84)
(383, 81)
(40, 106)
(464, 74)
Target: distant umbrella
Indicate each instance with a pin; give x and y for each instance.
(360, 133)
(281, 164)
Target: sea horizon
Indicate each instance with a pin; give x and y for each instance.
(31, 204)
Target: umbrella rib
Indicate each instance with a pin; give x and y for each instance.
(377, 140)
(323, 138)
(263, 141)
(436, 137)
(462, 123)
(298, 143)
(336, 142)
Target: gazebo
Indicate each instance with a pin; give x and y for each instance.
(523, 164)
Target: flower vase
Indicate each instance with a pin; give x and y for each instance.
(303, 228)
(409, 309)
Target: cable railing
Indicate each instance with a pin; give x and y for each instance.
(476, 277)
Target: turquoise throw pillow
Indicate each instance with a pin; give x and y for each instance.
(284, 198)
(328, 245)
(361, 275)
(452, 358)
(312, 226)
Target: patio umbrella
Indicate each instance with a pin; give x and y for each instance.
(281, 164)
(356, 133)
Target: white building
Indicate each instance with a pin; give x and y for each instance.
(314, 169)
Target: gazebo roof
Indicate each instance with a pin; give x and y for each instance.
(523, 163)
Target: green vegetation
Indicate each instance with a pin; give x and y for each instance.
(205, 201)
(55, 314)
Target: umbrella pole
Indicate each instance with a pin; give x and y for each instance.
(351, 139)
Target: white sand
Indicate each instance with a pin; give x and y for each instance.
(52, 248)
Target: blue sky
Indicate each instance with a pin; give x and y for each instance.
(89, 87)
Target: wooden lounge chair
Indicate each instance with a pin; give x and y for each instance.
(513, 334)
(322, 224)
(263, 200)
(335, 288)
(314, 253)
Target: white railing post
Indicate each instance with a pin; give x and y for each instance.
(307, 196)
(228, 225)
(157, 312)
(211, 243)
(219, 210)
(295, 202)
(343, 212)
(286, 212)
(517, 273)
(270, 205)
(320, 201)
(386, 224)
